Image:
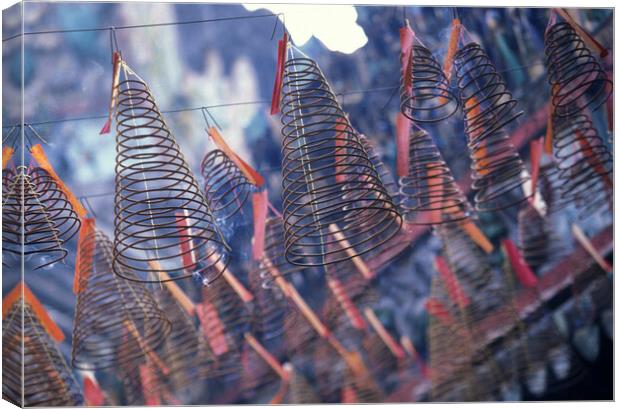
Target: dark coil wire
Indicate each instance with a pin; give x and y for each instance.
(185, 352)
(155, 189)
(226, 187)
(48, 220)
(429, 188)
(328, 178)
(583, 160)
(576, 77)
(426, 95)
(497, 169)
(108, 306)
(38, 369)
(384, 171)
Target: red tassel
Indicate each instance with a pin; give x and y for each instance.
(92, 393)
(519, 267)
(451, 283)
(277, 85)
(259, 206)
(403, 128)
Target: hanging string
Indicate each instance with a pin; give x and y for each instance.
(174, 23)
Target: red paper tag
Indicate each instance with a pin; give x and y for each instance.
(85, 253)
(149, 386)
(116, 71)
(259, 207)
(277, 85)
(347, 305)
(403, 129)
(253, 176)
(519, 267)
(406, 48)
(451, 283)
(92, 393)
(186, 242)
(439, 311)
(212, 327)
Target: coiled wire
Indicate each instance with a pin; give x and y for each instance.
(49, 221)
(497, 169)
(538, 241)
(327, 177)
(583, 160)
(226, 187)
(108, 308)
(429, 188)
(426, 95)
(32, 363)
(155, 191)
(576, 77)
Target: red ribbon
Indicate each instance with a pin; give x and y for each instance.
(519, 267)
(451, 283)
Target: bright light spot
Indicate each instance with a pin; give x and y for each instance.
(335, 25)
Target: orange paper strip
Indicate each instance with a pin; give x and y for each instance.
(477, 236)
(452, 45)
(7, 154)
(176, 291)
(85, 253)
(267, 357)
(355, 258)
(39, 155)
(259, 208)
(589, 247)
(385, 336)
(254, 177)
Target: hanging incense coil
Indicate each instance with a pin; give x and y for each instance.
(382, 361)
(300, 390)
(226, 187)
(429, 188)
(184, 351)
(425, 95)
(160, 212)
(576, 77)
(583, 160)
(49, 220)
(109, 308)
(497, 169)
(328, 178)
(39, 367)
(538, 243)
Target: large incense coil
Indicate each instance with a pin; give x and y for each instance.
(184, 351)
(583, 160)
(39, 367)
(160, 212)
(538, 242)
(328, 178)
(577, 79)
(497, 169)
(226, 188)
(49, 221)
(110, 308)
(425, 94)
(429, 188)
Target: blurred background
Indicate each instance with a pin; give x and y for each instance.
(229, 65)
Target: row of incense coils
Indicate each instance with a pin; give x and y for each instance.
(165, 223)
